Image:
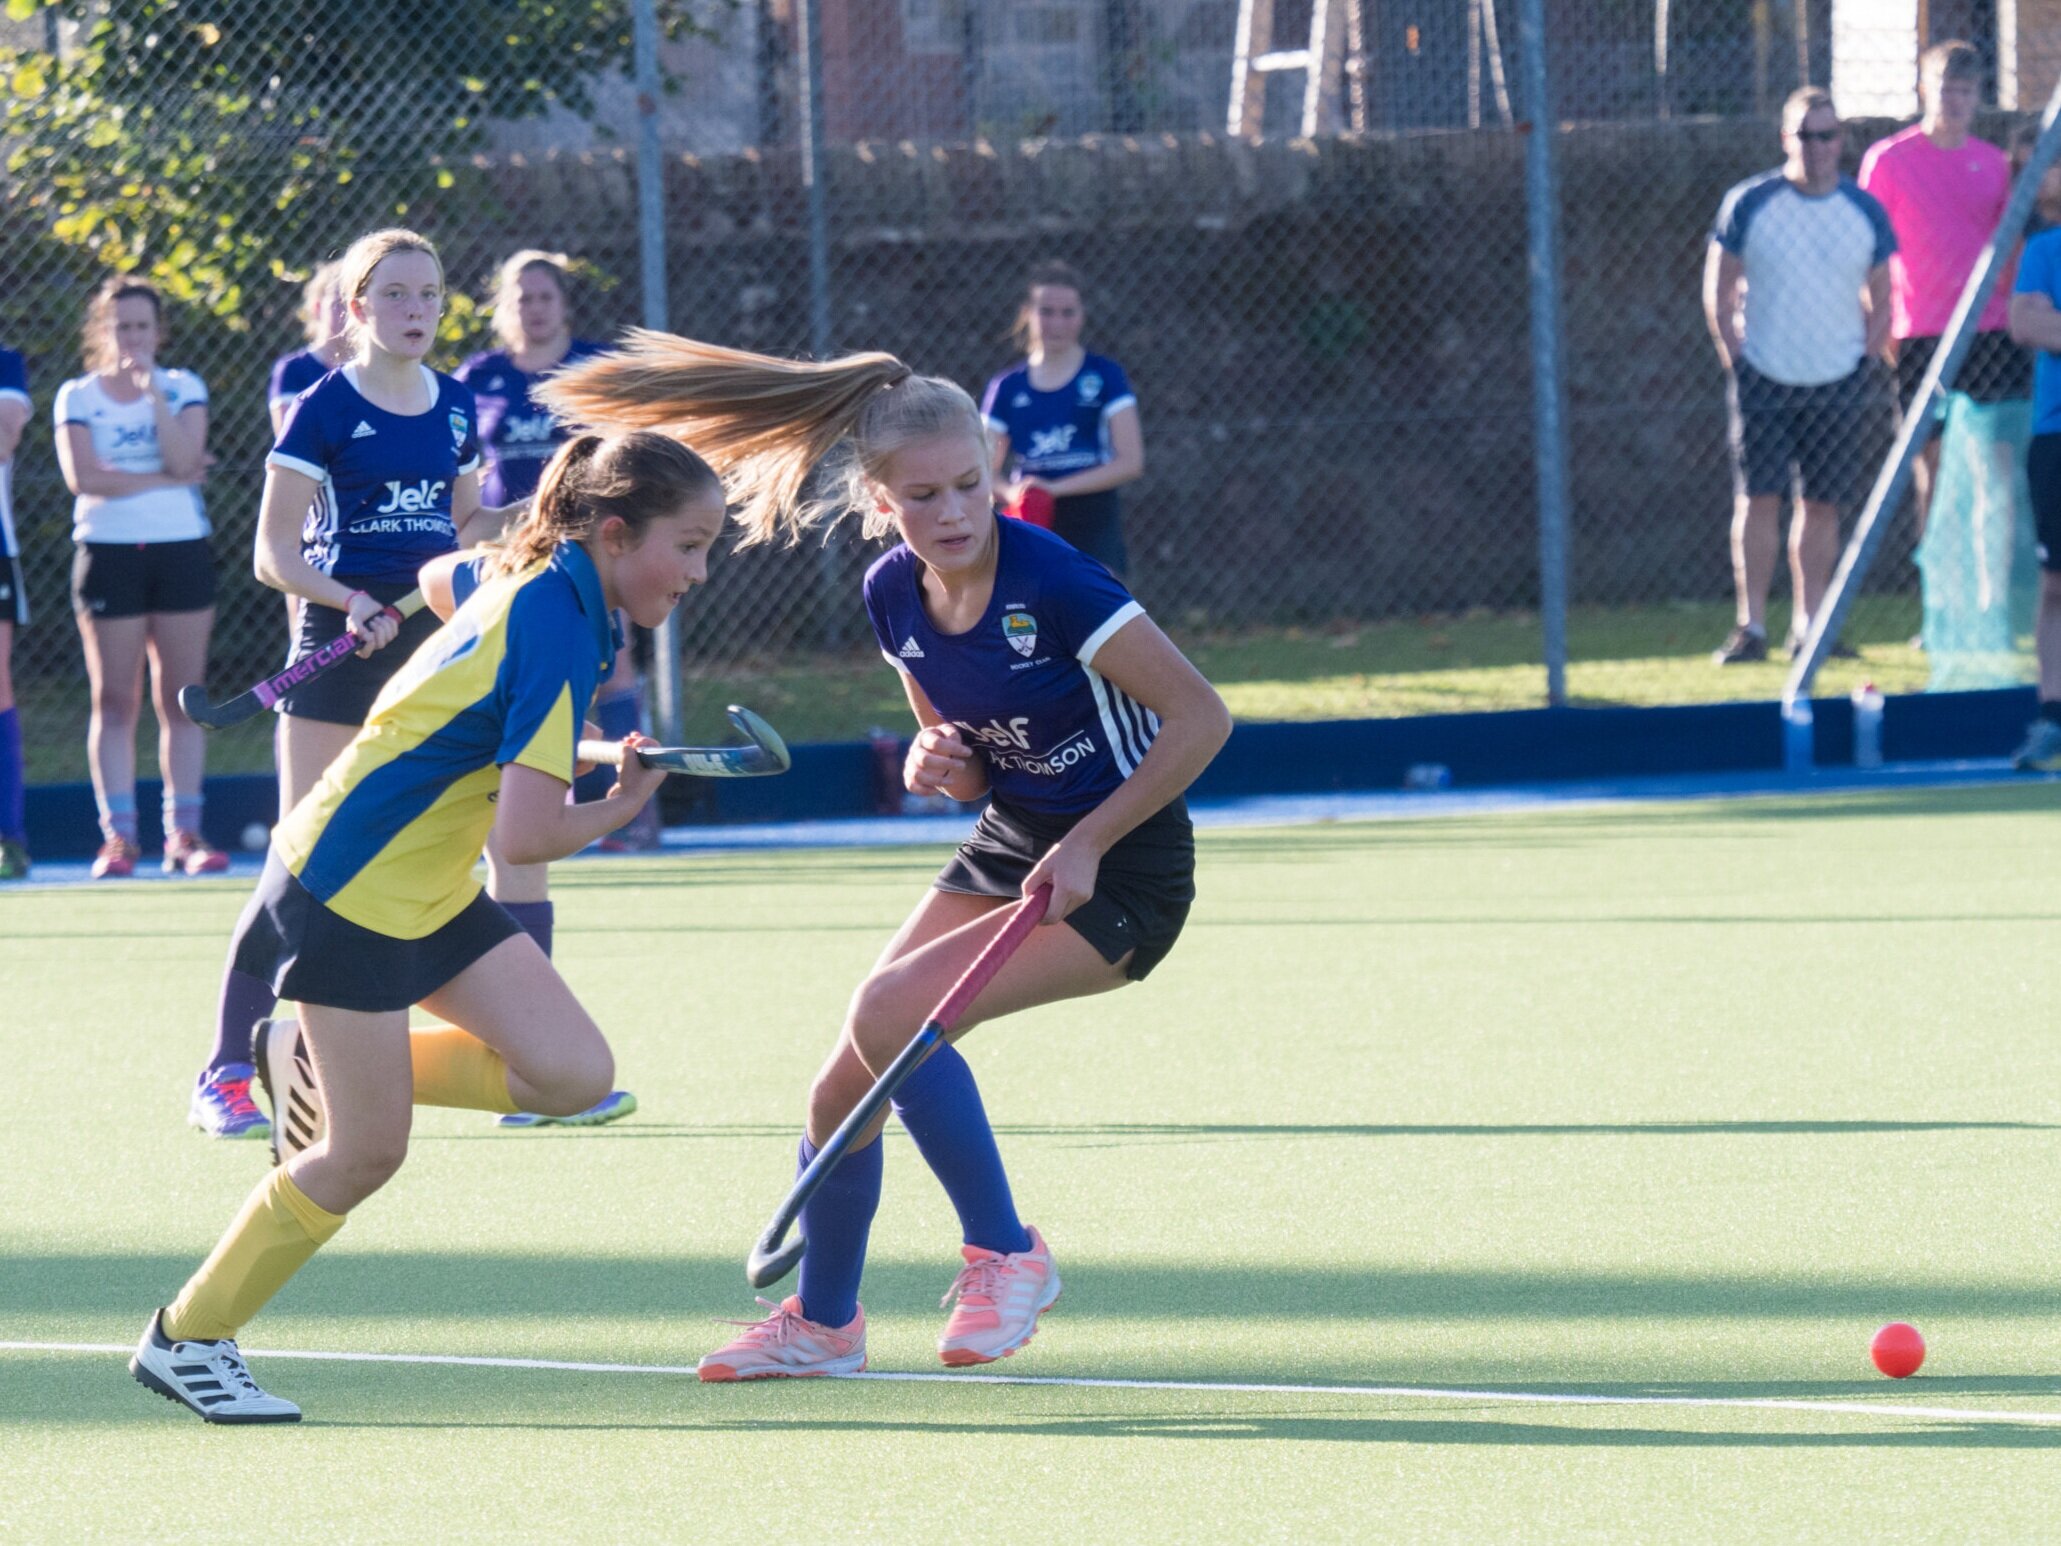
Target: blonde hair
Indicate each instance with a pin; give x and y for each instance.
(354, 269)
(507, 285)
(1801, 103)
(96, 338)
(637, 478)
(1954, 59)
(765, 424)
(325, 282)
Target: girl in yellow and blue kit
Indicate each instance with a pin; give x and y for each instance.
(368, 906)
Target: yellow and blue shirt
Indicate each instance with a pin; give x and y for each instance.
(389, 837)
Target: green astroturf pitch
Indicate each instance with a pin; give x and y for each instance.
(1472, 1121)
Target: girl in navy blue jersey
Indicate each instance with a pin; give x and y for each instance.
(1036, 680)
(327, 323)
(533, 325)
(1064, 421)
(14, 613)
(375, 472)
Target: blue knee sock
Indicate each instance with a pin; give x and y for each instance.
(14, 821)
(836, 1222)
(940, 1106)
(245, 1001)
(535, 920)
(617, 717)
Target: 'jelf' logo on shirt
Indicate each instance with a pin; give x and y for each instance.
(403, 500)
(1050, 442)
(527, 429)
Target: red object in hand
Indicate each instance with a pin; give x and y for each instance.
(1898, 1350)
(1035, 506)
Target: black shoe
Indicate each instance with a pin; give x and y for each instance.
(1840, 650)
(1740, 646)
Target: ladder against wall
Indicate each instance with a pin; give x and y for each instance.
(1333, 58)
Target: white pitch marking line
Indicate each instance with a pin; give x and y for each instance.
(1207, 1387)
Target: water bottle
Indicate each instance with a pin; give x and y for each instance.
(1867, 726)
(1798, 753)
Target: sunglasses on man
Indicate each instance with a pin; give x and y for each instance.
(1818, 136)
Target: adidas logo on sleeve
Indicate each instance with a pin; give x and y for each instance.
(910, 649)
(363, 431)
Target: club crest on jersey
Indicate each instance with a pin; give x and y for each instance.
(1021, 630)
(1089, 386)
(459, 425)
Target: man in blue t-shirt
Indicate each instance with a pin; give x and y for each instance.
(1796, 293)
(2036, 323)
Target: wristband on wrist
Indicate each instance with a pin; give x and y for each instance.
(353, 596)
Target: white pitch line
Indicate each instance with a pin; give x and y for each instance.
(1207, 1387)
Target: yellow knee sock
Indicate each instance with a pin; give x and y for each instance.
(271, 1240)
(456, 1068)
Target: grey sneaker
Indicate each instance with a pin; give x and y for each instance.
(1741, 645)
(289, 1078)
(2041, 750)
(207, 1378)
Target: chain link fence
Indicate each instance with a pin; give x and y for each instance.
(1328, 333)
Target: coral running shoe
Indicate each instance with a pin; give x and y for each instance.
(187, 853)
(222, 1107)
(1000, 1298)
(116, 859)
(786, 1345)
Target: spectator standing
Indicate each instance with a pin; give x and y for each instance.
(14, 613)
(1066, 421)
(2036, 323)
(518, 434)
(327, 323)
(132, 443)
(1810, 250)
(1945, 192)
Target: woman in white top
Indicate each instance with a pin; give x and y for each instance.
(132, 441)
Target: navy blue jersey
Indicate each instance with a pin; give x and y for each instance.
(382, 507)
(14, 388)
(293, 374)
(1021, 684)
(1053, 434)
(517, 433)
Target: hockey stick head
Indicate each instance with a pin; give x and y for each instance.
(765, 753)
(770, 1261)
(193, 703)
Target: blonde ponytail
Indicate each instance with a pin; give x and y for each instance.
(765, 423)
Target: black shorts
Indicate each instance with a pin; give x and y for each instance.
(1822, 441)
(1142, 891)
(344, 694)
(2043, 474)
(14, 595)
(311, 955)
(135, 579)
(1995, 370)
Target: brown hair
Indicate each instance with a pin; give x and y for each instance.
(1954, 59)
(354, 268)
(507, 280)
(638, 477)
(1052, 271)
(325, 282)
(1801, 103)
(96, 338)
(764, 423)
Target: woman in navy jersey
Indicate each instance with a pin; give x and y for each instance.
(1035, 680)
(1065, 421)
(132, 440)
(14, 613)
(327, 325)
(532, 322)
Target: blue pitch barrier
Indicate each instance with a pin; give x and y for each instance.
(1483, 752)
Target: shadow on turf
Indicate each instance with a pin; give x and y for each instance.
(406, 1285)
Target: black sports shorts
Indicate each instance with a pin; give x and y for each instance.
(311, 955)
(135, 579)
(1142, 891)
(344, 694)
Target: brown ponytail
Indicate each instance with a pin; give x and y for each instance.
(765, 423)
(637, 477)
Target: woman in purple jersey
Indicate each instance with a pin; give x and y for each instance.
(327, 324)
(1065, 422)
(533, 324)
(1034, 678)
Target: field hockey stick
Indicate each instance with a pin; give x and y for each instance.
(193, 700)
(770, 1260)
(765, 754)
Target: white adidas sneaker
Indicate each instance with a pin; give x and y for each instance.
(289, 1078)
(207, 1378)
